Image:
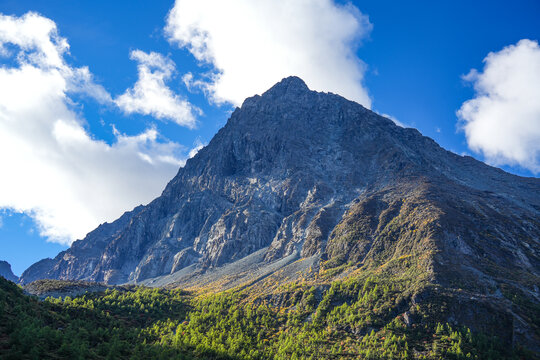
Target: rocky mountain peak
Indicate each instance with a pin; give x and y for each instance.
(291, 86)
(280, 177)
(287, 128)
(290, 90)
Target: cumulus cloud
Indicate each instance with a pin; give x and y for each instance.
(502, 121)
(151, 96)
(38, 45)
(52, 168)
(254, 44)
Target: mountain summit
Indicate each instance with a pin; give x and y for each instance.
(302, 175)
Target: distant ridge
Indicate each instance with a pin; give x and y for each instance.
(6, 273)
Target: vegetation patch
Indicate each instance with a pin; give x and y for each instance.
(363, 317)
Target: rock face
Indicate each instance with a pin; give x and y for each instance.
(6, 273)
(301, 172)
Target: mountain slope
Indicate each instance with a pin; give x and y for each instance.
(303, 185)
(6, 273)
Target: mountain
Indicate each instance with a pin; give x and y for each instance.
(6, 273)
(303, 186)
(286, 170)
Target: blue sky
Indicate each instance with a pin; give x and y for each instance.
(407, 60)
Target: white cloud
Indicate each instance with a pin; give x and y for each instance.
(502, 121)
(37, 38)
(39, 45)
(150, 95)
(254, 44)
(52, 168)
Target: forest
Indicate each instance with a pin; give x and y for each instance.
(355, 318)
